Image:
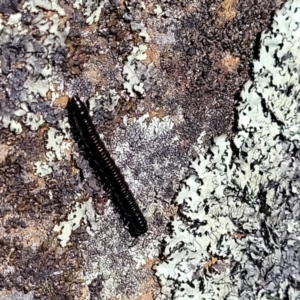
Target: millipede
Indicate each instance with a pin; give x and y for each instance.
(100, 157)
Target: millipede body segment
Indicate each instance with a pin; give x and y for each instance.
(101, 158)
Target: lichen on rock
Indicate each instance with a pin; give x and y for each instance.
(241, 207)
(141, 67)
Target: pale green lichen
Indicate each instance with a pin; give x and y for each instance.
(133, 70)
(35, 6)
(35, 59)
(57, 143)
(82, 212)
(143, 30)
(242, 204)
(11, 124)
(90, 10)
(42, 169)
(158, 10)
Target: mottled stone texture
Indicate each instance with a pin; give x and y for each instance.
(236, 234)
(161, 80)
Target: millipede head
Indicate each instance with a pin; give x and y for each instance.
(76, 104)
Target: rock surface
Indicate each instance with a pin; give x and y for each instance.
(236, 234)
(161, 79)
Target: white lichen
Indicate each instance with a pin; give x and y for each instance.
(143, 30)
(42, 169)
(35, 6)
(13, 125)
(134, 69)
(33, 121)
(82, 212)
(108, 104)
(32, 67)
(158, 10)
(91, 9)
(242, 204)
(57, 144)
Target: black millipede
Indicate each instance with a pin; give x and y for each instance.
(101, 158)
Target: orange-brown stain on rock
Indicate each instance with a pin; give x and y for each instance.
(41, 133)
(158, 113)
(61, 101)
(31, 236)
(230, 62)
(84, 293)
(227, 64)
(147, 296)
(147, 290)
(150, 285)
(226, 11)
(153, 55)
(93, 74)
(19, 65)
(173, 211)
(8, 294)
(211, 262)
(150, 262)
(5, 150)
(68, 152)
(239, 235)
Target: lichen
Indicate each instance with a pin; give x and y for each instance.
(143, 30)
(56, 144)
(42, 169)
(82, 212)
(241, 205)
(147, 109)
(29, 66)
(92, 10)
(133, 70)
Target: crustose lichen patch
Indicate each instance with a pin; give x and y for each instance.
(241, 208)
